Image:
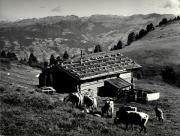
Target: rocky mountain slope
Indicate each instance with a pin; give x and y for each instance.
(54, 35)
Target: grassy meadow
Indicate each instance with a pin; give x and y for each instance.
(25, 112)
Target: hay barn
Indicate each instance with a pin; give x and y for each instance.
(94, 72)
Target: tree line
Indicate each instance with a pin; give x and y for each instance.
(33, 61)
(9, 55)
(165, 21)
(132, 36)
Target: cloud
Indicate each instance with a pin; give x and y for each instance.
(172, 4)
(56, 9)
(42, 7)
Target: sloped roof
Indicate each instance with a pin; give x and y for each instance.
(98, 64)
(119, 83)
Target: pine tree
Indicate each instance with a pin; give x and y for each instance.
(32, 59)
(131, 38)
(149, 27)
(3, 54)
(97, 48)
(52, 60)
(65, 55)
(142, 33)
(119, 45)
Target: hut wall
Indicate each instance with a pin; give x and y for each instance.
(126, 76)
(95, 85)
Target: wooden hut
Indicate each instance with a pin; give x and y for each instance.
(90, 72)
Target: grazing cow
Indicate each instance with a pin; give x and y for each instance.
(90, 102)
(75, 98)
(123, 109)
(133, 118)
(108, 108)
(159, 114)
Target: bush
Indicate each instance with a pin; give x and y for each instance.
(37, 103)
(178, 81)
(2, 89)
(12, 99)
(168, 74)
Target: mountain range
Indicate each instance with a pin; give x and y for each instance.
(55, 34)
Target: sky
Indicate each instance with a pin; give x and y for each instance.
(11, 10)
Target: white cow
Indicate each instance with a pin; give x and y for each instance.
(75, 98)
(90, 102)
(133, 118)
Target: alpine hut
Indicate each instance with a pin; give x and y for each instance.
(95, 72)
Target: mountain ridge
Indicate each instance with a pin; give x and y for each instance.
(54, 35)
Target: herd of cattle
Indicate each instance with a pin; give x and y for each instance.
(125, 115)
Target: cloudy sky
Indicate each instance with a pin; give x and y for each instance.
(20, 9)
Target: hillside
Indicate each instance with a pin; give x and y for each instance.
(158, 48)
(54, 35)
(25, 112)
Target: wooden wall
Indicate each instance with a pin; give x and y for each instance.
(94, 85)
(126, 76)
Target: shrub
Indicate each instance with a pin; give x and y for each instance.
(168, 74)
(79, 115)
(12, 99)
(178, 80)
(37, 103)
(65, 124)
(2, 89)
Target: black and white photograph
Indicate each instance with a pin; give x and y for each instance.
(89, 67)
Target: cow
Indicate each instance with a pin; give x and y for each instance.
(90, 102)
(108, 108)
(127, 108)
(75, 98)
(122, 111)
(159, 114)
(133, 118)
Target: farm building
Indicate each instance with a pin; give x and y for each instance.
(91, 72)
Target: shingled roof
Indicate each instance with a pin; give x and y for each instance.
(98, 64)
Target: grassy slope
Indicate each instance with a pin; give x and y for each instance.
(26, 112)
(158, 48)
